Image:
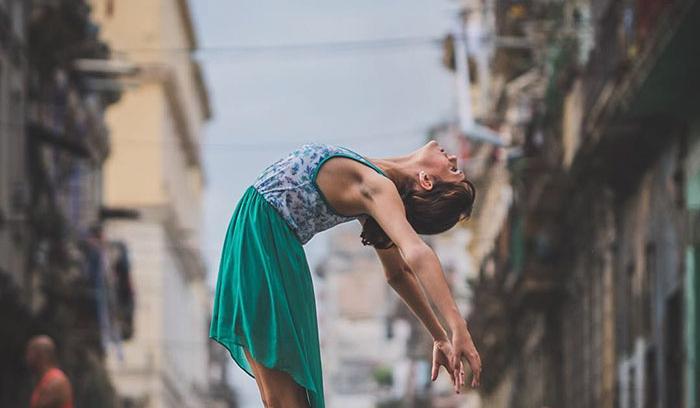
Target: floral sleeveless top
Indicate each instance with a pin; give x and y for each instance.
(289, 185)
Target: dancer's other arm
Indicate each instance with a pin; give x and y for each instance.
(401, 278)
(386, 207)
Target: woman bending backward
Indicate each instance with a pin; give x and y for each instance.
(264, 311)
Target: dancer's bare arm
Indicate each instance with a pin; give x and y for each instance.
(385, 206)
(402, 279)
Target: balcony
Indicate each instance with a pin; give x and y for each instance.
(539, 286)
(644, 62)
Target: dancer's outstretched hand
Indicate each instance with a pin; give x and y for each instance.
(464, 348)
(443, 355)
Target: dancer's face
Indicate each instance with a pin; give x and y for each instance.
(437, 164)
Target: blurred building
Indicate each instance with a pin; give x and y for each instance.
(364, 349)
(155, 168)
(587, 289)
(220, 393)
(55, 275)
(13, 174)
(15, 277)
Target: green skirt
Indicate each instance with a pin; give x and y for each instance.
(264, 300)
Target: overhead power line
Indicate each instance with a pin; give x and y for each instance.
(259, 145)
(311, 47)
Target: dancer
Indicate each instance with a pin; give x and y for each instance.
(264, 311)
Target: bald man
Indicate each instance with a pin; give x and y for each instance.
(52, 390)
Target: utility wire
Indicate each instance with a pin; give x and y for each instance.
(262, 146)
(281, 51)
(325, 47)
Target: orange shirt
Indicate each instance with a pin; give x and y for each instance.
(50, 375)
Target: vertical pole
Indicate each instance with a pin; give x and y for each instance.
(464, 102)
(691, 307)
(691, 290)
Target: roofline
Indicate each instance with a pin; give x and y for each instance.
(186, 14)
(202, 91)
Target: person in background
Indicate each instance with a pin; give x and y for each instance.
(53, 389)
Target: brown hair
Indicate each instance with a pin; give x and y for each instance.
(428, 211)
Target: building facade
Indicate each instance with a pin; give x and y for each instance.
(53, 143)
(155, 168)
(587, 293)
(13, 188)
(14, 245)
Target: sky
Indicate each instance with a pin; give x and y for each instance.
(378, 102)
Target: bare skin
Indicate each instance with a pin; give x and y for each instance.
(404, 282)
(277, 388)
(41, 357)
(411, 267)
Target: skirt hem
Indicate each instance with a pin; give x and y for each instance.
(225, 343)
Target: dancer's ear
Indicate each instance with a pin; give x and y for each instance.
(425, 181)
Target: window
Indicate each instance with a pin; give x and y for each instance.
(17, 17)
(4, 131)
(650, 393)
(648, 287)
(673, 350)
(629, 309)
(14, 126)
